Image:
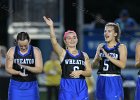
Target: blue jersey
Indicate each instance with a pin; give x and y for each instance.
(107, 67)
(72, 63)
(26, 59)
(23, 88)
(109, 82)
(73, 88)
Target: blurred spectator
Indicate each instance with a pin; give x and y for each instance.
(52, 69)
(4, 76)
(3, 55)
(126, 22)
(90, 83)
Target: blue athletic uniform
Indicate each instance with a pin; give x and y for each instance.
(23, 88)
(137, 95)
(109, 81)
(73, 88)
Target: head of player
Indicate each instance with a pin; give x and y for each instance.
(70, 39)
(23, 41)
(112, 32)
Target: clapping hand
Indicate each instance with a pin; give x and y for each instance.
(75, 74)
(106, 54)
(98, 52)
(23, 74)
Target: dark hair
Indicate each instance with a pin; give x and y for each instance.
(116, 29)
(23, 36)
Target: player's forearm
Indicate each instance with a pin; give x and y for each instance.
(118, 63)
(34, 69)
(95, 62)
(86, 73)
(12, 71)
(53, 39)
(54, 43)
(52, 32)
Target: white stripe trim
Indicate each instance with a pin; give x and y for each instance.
(109, 75)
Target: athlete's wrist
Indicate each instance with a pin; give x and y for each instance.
(109, 57)
(18, 73)
(51, 26)
(81, 72)
(26, 67)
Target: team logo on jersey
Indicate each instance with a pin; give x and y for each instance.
(113, 55)
(74, 61)
(24, 61)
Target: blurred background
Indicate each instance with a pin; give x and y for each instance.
(86, 17)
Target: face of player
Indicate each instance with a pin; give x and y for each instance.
(109, 34)
(23, 45)
(71, 40)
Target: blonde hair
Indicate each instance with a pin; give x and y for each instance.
(116, 29)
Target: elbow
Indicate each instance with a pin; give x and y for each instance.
(137, 64)
(7, 70)
(90, 73)
(123, 66)
(40, 70)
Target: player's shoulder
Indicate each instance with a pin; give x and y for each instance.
(122, 46)
(11, 51)
(101, 44)
(85, 54)
(36, 48)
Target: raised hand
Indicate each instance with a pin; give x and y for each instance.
(48, 21)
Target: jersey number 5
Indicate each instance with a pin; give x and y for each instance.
(106, 65)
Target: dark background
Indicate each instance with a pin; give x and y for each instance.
(108, 8)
